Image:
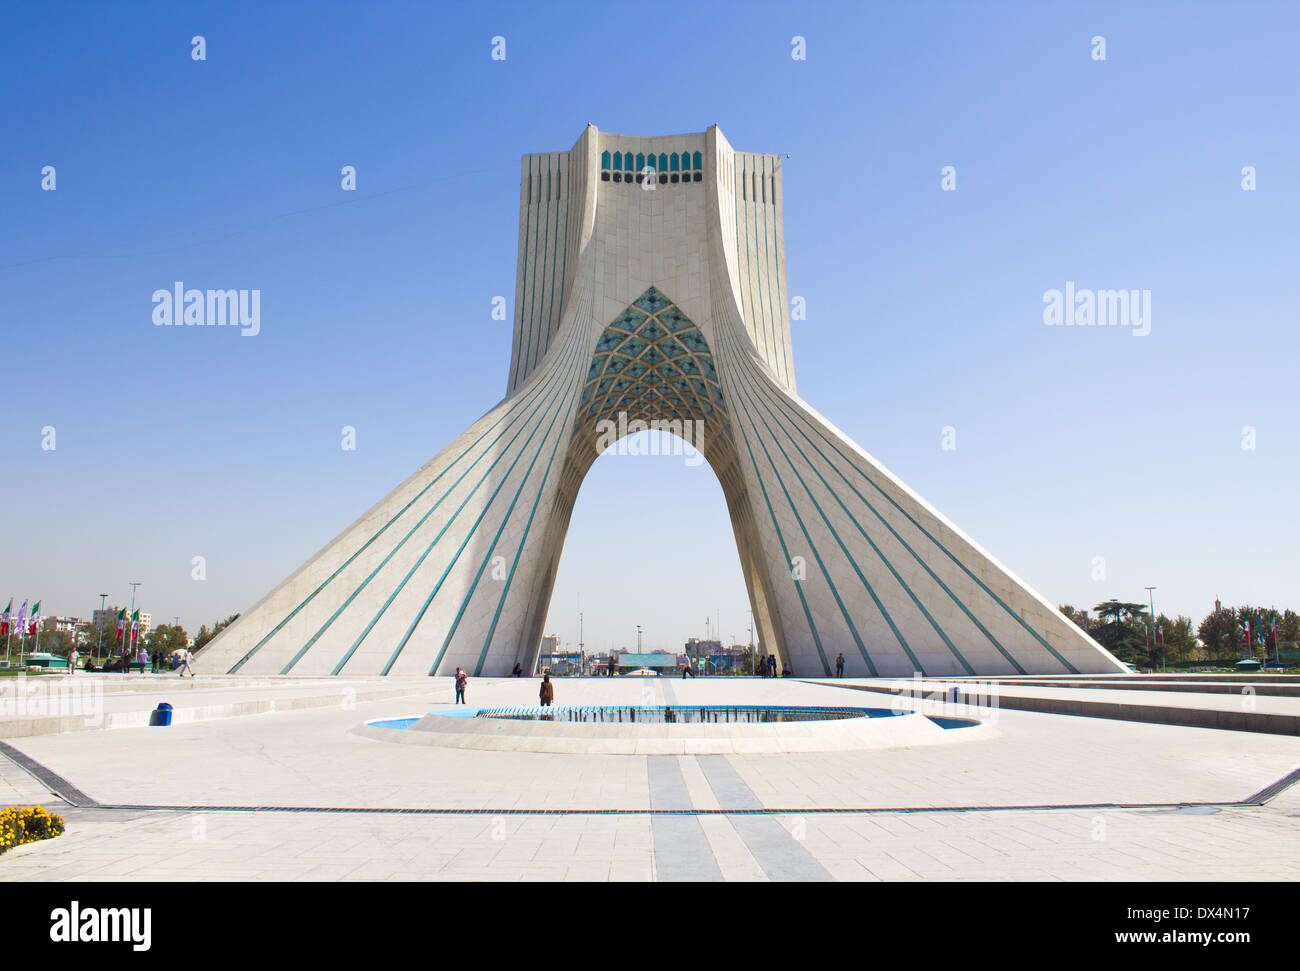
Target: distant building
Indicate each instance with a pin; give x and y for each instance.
(710, 657)
(701, 648)
(551, 658)
(58, 623)
(108, 620)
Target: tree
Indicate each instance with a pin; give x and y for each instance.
(1179, 639)
(166, 638)
(1288, 626)
(53, 641)
(1127, 641)
(1080, 618)
(1222, 635)
(204, 635)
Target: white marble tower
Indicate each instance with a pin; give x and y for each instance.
(651, 285)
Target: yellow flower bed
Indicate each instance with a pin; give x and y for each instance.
(27, 825)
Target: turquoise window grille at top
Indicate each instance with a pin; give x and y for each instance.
(668, 168)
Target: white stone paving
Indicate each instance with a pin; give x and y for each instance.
(311, 757)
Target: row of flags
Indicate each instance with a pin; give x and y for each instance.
(6, 625)
(1259, 627)
(7, 628)
(1246, 619)
(121, 625)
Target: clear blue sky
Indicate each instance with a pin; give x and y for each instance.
(924, 306)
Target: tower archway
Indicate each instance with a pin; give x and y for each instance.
(645, 301)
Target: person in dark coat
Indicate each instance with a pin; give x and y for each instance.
(547, 693)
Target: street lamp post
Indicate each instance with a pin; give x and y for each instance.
(103, 597)
(125, 667)
(1152, 597)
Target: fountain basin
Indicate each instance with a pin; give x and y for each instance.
(674, 729)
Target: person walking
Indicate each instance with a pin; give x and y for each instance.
(183, 655)
(462, 679)
(72, 660)
(771, 665)
(518, 671)
(547, 694)
(839, 666)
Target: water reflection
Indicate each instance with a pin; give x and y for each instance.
(684, 715)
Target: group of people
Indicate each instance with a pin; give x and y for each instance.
(546, 695)
(180, 661)
(767, 667)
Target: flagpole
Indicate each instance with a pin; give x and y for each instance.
(22, 620)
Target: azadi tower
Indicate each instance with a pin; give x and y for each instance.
(651, 285)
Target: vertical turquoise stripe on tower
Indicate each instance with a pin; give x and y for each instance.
(505, 518)
(533, 395)
(885, 560)
(357, 643)
(486, 507)
(848, 620)
(797, 414)
(518, 364)
(514, 408)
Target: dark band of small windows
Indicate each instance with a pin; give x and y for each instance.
(672, 167)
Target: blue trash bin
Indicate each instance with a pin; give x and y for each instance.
(162, 715)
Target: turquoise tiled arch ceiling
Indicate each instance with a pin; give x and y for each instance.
(651, 362)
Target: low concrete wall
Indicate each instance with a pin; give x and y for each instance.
(58, 724)
(1238, 721)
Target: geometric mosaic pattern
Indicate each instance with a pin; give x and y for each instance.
(652, 363)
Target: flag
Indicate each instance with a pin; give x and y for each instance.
(1160, 631)
(135, 626)
(35, 614)
(22, 613)
(4, 619)
(121, 622)
(1272, 626)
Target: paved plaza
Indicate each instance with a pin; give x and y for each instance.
(246, 786)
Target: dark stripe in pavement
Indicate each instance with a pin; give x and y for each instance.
(780, 855)
(681, 850)
(75, 797)
(58, 785)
